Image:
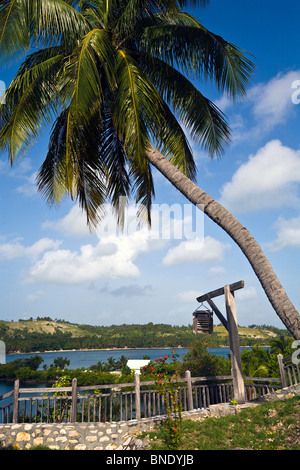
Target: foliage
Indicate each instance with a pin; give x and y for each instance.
(262, 362)
(169, 388)
(201, 362)
(61, 363)
(114, 336)
(113, 78)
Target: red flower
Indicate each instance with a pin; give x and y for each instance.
(166, 357)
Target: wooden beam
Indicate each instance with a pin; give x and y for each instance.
(218, 313)
(218, 292)
(235, 350)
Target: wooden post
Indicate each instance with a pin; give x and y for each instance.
(189, 390)
(16, 401)
(74, 400)
(137, 396)
(218, 313)
(282, 371)
(236, 362)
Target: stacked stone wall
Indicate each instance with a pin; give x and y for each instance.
(111, 436)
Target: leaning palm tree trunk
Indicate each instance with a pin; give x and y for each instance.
(251, 249)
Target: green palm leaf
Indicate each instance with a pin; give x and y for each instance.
(206, 123)
(14, 17)
(134, 101)
(30, 105)
(43, 22)
(113, 77)
(199, 52)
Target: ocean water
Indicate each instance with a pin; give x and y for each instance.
(85, 359)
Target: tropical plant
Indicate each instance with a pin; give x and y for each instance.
(201, 362)
(116, 78)
(281, 345)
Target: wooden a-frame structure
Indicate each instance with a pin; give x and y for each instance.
(231, 326)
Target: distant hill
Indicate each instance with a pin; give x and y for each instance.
(45, 334)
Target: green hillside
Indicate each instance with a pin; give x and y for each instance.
(45, 334)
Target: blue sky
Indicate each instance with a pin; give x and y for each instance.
(50, 265)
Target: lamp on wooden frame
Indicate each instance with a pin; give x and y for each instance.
(203, 321)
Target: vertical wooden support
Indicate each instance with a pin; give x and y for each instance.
(74, 400)
(137, 396)
(16, 401)
(282, 371)
(189, 390)
(236, 362)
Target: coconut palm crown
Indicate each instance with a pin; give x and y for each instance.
(116, 80)
(114, 77)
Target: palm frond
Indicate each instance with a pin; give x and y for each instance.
(51, 179)
(134, 101)
(201, 3)
(83, 178)
(83, 84)
(205, 122)
(144, 191)
(56, 21)
(14, 29)
(170, 139)
(114, 158)
(194, 50)
(31, 101)
(43, 23)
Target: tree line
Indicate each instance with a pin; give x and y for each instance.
(114, 336)
(256, 362)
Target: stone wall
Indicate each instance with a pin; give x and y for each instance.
(82, 436)
(111, 436)
(282, 393)
(75, 436)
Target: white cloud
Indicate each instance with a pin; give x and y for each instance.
(196, 251)
(35, 296)
(267, 180)
(105, 260)
(246, 294)
(133, 290)
(115, 255)
(269, 104)
(29, 188)
(14, 250)
(216, 271)
(73, 224)
(112, 257)
(224, 102)
(272, 101)
(189, 296)
(288, 234)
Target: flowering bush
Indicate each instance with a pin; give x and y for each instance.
(161, 366)
(168, 387)
(201, 362)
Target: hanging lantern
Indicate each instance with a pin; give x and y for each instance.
(203, 322)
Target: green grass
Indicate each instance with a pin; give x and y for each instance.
(269, 426)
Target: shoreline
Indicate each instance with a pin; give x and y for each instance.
(102, 349)
(118, 349)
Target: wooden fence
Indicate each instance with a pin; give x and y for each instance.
(289, 370)
(120, 402)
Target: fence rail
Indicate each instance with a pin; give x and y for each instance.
(120, 402)
(289, 371)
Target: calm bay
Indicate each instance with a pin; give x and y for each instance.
(87, 358)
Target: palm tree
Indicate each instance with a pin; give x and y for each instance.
(281, 345)
(116, 79)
